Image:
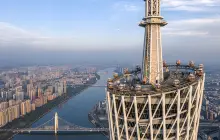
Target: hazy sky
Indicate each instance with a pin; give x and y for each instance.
(59, 30)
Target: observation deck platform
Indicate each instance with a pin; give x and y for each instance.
(175, 77)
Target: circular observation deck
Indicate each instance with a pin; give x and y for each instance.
(142, 110)
(175, 77)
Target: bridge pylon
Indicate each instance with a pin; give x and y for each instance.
(56, 124)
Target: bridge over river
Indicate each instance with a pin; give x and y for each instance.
(56, 125)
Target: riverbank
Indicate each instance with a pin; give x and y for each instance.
(93, 118)
(27, 120)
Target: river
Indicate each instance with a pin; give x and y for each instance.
(75, 111)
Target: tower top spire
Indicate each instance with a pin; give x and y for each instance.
(152, 64)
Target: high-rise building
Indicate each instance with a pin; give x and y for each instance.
(56, 87)
(10, 114)
(33, 107)
(29, 88)
(16, 111)
(165, 102)
(18, 89)
(32, 95)
(44, 100)
(38, 102)
(13, 113)
(207, 108)
(4, 95)
(9, 95)
(50, 89)
(28, 106)
(23, 108)
(64, 86)
(11, 102)
(60, 89)
(4, 105)
(3, 117)
(39, 92)
(14, 96)
(19, 95)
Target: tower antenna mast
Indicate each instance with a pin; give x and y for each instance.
(152, 65)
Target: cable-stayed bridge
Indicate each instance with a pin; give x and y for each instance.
(56, 125)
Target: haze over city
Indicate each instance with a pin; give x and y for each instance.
(66, 31)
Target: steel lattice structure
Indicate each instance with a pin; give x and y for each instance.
(166, 103)
(168, 115)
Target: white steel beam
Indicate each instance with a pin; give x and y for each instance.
(125, 118)
(152, 7)
(173, 101)
(197, 90)
(164, 116)
(123, 127)
(110, 117)
(116, 116)
(157, 7)
(142, 111)
(186, 97)
(173, 124)
(150, 47)
(136, 118)
(144, 55)
(196, 110)
(158, 105)
(150, 118)
(130, 108)
(147, 9)
(158, 54)
(161, 52)
(189, 113)
(178, 116)
(200, 104)
(155, 138)
(184, 122)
